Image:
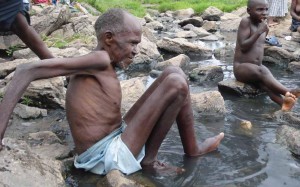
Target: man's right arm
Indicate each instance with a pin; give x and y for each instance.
(26, 73)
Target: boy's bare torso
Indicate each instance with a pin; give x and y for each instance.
(255, 54)
(297, 8)
(93, 107)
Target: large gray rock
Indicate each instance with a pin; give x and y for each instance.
(181, 61)
(208, 73)
(182, 46)
(277, 56)
(289, 136)
(232, 86)
(209, 103)
(212, 14)
(20, 166)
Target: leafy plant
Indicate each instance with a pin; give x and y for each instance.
(10, 51)
(26, 101)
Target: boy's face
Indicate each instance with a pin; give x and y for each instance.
(259, 10)
(124, 45)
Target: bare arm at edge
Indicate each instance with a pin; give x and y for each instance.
(26, 73)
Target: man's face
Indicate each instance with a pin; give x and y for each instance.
(124, 45)
(259, 11)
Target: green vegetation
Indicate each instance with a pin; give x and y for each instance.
(26, 101)
(136, 6)
(62, 42)
(12, 49)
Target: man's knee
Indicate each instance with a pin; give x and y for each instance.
(177, 82)
(173, 69)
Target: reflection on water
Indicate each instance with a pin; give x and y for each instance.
(244, 158)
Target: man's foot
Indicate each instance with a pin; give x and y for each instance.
(210, 144)
(289, 101)
(161, 169)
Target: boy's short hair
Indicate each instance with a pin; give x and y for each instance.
(251, 3)
(112, 20)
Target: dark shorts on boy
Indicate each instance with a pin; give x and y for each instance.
(8, 12)
(295, 24)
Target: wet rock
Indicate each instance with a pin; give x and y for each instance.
(206, 73)
(294, 66)
(209, 103)
(289, 136)
(247, 125)
(116, 179)
(232, 86)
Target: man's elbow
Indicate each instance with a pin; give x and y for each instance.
(24, 71)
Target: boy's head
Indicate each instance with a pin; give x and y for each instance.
(258, 9)
(118, 33)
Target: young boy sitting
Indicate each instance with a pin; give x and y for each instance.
(103, 139)
(249, 52)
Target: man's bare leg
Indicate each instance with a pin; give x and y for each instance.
(30, 37)
(166, 118)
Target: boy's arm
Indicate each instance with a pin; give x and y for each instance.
(25, 73)
(245, 38)
(293, 10)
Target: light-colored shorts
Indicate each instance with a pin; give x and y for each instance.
(108, 154)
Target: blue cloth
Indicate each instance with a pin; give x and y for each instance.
(108, 154)
(295, 24)
(8, 12)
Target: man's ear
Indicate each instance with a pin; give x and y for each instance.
(248, 10)
(108, 37)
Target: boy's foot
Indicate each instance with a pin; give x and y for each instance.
(295, 92)
(273, 24)
(161, 169)
(210, 144)
(289, 101)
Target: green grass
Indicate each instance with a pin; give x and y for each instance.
(136, 6)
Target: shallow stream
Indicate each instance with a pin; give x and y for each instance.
(245, 157)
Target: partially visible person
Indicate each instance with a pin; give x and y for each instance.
(14, 19)
(249, 52)
(26, 5)
(295, 13)
(277, 9)
(104, 140)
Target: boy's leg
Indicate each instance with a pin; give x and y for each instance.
(166, 100)
(261, 75)
(30, 37)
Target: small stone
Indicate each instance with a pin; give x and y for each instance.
(246, 124)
